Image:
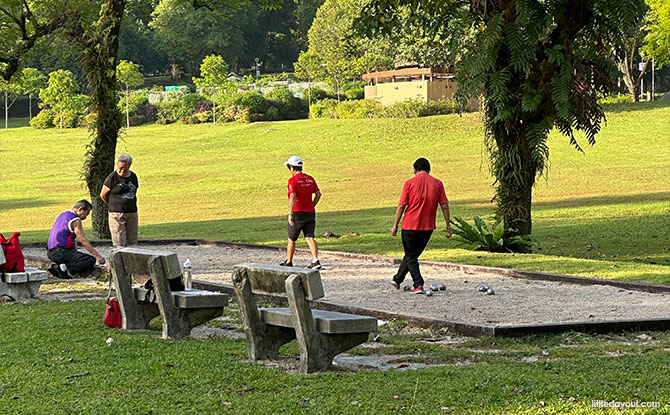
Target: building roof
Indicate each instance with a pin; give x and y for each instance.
(406, 72)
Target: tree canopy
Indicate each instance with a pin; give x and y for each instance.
(657, 40)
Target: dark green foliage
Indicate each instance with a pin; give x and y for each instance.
(413, 108)
(70, 119)
(325, 108)
(494, 238)
(354, 89)
(136, 120)
(364, 108)
(251, 100)
(190, 102)
(287, 106)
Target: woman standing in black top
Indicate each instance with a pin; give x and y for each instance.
(119, 192)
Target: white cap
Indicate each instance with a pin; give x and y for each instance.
(293, 161)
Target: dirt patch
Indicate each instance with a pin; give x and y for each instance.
(365, 282)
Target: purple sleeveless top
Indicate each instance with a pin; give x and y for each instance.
(61, 236)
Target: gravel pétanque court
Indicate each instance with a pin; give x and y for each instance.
(363, 282)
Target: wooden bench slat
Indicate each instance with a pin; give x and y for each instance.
(190, 298)
(329, 322)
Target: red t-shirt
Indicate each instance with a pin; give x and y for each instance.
(303, 185)
(421, 194)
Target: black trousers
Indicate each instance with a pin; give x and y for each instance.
(413, 242)
(76, 262)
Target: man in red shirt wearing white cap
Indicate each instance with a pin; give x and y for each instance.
(301, 212)
(420, 197)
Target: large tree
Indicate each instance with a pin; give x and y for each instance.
(538, 64)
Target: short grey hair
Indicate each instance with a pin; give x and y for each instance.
(125, 158)
(83, 204)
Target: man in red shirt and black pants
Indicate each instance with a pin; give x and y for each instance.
(301, 213)
(420, 197)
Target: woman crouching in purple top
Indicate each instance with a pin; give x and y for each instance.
(62, 247)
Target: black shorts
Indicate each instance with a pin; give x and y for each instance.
(302, 221)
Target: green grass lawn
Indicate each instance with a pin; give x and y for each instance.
(603, 213)
(54, 360)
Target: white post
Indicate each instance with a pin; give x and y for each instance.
(653, 61)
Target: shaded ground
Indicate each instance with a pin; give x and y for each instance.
(364, 282)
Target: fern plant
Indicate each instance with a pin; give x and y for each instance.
(494, 238)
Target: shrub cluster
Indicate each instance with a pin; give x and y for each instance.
(366, 108)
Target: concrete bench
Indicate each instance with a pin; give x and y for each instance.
(180, 311)
(321, 335)
(20, 285)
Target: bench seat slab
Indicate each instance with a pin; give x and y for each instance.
(329, 322)
(189, 298)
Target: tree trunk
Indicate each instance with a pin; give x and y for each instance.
(6, 110)
(515, 174)
(99, 64)
(30, 107)
(127, 110)
(213, 112)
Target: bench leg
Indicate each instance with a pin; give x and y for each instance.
(187, 319)
(20, 291)
(263, 340)
(319, 353)
(266, 344)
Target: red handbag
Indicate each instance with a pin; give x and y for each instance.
(113, 313)
(14, 261)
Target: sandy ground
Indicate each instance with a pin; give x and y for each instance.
(366, 283)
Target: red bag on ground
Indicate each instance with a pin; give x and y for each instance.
(13, 254)
(113, 313)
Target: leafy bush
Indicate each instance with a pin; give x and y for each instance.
(324, 109)
(413, 108)
(43, 119)
(353, 89)
(171, 111)
(70, 119)
(203, 116)
(287, 105)
(364, 108)
(272, 114)
(319, 94)
(613, 99)
(252, 101)
(234, 113)
(191, 101)
(495, 238)
(136, 120)
(90, 119)
(205, 106)
(190, 119)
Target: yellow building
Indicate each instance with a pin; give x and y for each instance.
(424, 84)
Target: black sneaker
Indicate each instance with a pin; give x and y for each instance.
(64, 272)
(395, 285)
(53, 270)
(57, 271)
(315, 265)
(287, 263)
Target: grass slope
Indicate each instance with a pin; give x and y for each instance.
(604, 212)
